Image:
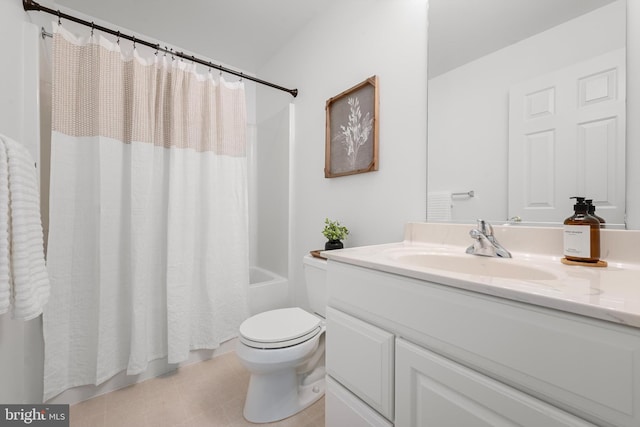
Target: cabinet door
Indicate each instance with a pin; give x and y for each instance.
(432, 391)
(360, 357)
(342, 408)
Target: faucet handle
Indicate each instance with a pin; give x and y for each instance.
(485, 228)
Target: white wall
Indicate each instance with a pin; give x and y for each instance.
(469, 108)
(273, 192)
(340, 48)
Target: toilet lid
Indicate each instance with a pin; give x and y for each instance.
(279, 328)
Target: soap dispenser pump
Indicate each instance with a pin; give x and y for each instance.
(581, 234)
(592, 212)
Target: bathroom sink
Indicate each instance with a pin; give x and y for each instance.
(474, 265)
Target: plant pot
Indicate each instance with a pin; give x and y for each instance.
(333, 244)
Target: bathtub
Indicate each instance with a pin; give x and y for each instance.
(267, 291)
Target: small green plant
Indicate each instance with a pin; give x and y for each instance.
(334, 231)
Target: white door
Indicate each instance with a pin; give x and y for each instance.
(432, 391)
(567, 138)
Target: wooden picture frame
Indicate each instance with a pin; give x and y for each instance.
(351, 145)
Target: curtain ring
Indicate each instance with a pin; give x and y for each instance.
(165, 50)
(118, 41)
(193, 59)
(240, 76)
(134, 42)
(59, 23)
(92, 27)
(157, 49)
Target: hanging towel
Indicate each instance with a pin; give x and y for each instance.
(24, 282)
(439, 206)
(5, 258)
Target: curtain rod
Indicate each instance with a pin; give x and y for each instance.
(32, 5)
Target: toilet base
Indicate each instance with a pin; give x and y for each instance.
(279, 395)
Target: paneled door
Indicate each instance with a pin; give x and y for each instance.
(567, 138)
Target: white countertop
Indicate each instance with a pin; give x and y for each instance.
(611, 293)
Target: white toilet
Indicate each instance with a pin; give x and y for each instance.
(284, 351)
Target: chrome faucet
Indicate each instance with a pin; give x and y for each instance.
(485, 243)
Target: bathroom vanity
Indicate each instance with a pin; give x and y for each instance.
(421, 334)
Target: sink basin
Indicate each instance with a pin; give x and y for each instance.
(474, 265)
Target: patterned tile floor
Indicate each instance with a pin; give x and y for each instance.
(203, 394)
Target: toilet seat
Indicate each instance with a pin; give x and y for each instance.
(279, 328)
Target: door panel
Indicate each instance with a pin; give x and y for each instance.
(567, 138)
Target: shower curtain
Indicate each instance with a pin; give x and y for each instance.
(148, 242)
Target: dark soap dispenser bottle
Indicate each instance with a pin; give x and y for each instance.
(581, 234)
(592, 212)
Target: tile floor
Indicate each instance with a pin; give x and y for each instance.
(203, 394)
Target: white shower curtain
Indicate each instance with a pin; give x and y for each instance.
(148, 242)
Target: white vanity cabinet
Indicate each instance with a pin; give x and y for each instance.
(461, 358)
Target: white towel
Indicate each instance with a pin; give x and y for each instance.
(5, 260)
(439, 206)
(21, 237)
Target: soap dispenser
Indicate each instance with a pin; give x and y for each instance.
(592, 212)
(581, 234)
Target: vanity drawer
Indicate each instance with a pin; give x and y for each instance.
(434, 391)
(342, 408)
(360, 357)
(585, 366)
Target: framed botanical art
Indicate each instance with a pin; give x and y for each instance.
(351, 145)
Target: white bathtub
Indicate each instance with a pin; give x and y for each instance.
(267, 290)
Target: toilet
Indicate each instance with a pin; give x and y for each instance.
(283, 350)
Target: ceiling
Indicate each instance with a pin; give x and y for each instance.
(243, 34)
(463, 30)
(239, 33)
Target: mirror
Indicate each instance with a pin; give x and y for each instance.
(485, 60)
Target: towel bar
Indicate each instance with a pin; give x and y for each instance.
(468, 194)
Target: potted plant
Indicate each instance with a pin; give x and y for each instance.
(335, 233)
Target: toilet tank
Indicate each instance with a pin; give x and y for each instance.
(315, 276)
